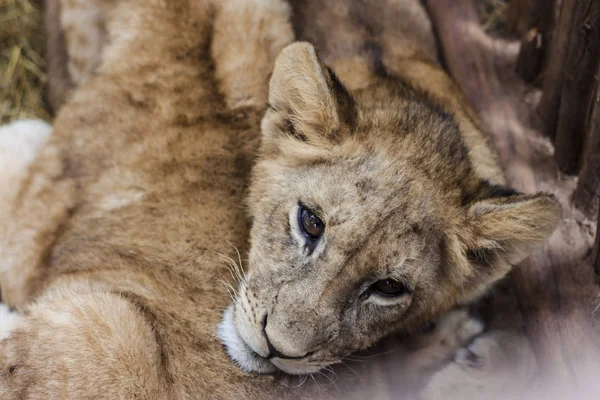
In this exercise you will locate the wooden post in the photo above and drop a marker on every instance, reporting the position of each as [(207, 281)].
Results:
[(596, 253), (536, 27), (587, 194), (526, 14), (579, 74), (517, 17), (531, 56), (60, 84), (553, 75)]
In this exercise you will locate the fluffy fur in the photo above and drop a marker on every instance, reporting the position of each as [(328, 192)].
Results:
[(112, 246)]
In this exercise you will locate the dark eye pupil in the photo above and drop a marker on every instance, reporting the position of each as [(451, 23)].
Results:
[(389, 287), (311, 224)]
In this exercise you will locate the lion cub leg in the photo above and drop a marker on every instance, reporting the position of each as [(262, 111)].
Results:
[(248, 35), (81, 342), (20, 143), (32, 210)]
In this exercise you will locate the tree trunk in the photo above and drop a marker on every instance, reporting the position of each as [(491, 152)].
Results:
[(553, 78), (580, 75), (587, 194), (531, 56), (596, 253), (517, 20), (535, 25)]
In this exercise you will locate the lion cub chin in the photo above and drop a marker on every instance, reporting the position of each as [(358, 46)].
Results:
[(370, 216)]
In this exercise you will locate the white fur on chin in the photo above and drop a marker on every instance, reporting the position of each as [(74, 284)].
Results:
[(239, 351)]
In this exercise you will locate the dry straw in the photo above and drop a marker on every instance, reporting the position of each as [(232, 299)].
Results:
[(22, 67), (493, 14)]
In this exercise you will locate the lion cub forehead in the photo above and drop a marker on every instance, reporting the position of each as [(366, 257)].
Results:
[(374, 184), (373, 212)]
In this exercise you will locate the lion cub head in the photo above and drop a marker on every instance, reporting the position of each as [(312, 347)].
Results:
[(368, 218)]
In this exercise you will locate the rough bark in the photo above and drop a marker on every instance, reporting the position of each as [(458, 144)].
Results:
[(531, 56), (517, 20), (525, 17), (553, 78), (587, 194), (580, 75), (596, 252)]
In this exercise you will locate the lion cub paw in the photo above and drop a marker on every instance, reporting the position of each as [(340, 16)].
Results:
[(451, 332), (433, 349), (494, 365), (458, 328)]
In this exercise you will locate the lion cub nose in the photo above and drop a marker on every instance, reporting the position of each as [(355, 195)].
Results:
[(273, 352)]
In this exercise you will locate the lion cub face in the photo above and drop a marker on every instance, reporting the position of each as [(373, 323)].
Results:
[(367, 219)]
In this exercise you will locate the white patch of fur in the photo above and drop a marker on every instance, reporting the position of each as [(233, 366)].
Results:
[(245, 356), (20, 142), (60, 317), (114, 201), (237, 349), (8, 321)]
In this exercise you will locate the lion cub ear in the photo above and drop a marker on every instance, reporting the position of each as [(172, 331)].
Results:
[(513, 225), (307, 102)]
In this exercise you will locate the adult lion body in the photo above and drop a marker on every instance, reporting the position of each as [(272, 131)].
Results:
[(112, 246)]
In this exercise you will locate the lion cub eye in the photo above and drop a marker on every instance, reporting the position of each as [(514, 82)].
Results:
[(389, 288), (311, 225)]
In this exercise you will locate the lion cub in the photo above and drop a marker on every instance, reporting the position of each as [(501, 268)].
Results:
[(376, 205), (377, 202)]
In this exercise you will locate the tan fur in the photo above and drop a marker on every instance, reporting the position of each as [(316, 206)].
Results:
[(118, 229), (113, 246)]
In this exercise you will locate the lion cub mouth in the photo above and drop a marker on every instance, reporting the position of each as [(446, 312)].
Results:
[(238, 350), (248, 359)]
